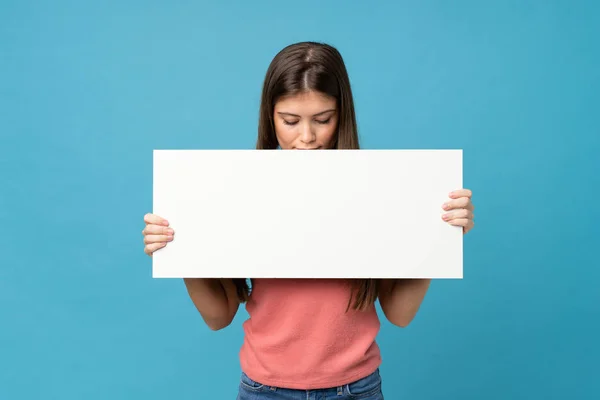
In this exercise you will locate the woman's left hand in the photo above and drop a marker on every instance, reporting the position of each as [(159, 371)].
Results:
[(459, 209)]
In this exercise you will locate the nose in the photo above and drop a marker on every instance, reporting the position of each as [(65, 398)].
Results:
[(306, 134)]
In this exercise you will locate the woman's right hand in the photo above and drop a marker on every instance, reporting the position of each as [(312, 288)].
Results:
[(157, 233)]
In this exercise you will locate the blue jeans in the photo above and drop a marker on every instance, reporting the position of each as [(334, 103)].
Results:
[(368, 388)]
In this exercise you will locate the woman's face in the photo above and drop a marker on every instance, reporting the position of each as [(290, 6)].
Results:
[(306, 121)]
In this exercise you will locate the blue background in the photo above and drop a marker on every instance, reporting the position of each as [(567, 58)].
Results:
[(87, 91)]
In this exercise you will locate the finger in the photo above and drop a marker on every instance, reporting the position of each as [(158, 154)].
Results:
[(455, 194), (462, 213), (461, 202), (469, 226), (148, 239), (151, 248), (153, 229), (459, 222), (155, 219)]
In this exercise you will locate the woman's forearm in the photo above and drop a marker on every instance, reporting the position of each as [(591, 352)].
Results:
[(400, 299), (215, 300)]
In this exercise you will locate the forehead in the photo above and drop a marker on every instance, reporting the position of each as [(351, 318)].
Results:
[(305, 103)]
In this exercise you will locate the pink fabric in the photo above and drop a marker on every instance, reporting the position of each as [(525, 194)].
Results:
[(299, 335)]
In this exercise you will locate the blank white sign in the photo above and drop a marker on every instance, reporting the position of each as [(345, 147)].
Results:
[(307, 214)]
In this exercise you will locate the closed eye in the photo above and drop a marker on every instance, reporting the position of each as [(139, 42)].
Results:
[(322, 122)]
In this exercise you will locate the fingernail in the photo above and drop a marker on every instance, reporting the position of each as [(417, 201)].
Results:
[(170, 231), (170, 237), (445, 206), (166, 223), (445, 217)]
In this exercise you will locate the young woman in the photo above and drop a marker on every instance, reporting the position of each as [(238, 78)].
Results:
[(308, 338)]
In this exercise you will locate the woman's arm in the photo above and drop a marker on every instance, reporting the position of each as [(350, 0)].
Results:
[(215, 299), (400, 299)]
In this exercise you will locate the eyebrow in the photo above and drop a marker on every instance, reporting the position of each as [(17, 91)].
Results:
[(316, 115)]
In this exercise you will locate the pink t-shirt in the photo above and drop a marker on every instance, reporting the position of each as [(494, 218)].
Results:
[(299, 335)]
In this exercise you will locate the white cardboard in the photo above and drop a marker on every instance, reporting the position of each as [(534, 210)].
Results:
[(307, 214)]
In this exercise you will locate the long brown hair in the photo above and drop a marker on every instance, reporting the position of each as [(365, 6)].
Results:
[(298, 68)]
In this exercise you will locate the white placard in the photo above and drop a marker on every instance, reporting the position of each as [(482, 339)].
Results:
[(307, 214)]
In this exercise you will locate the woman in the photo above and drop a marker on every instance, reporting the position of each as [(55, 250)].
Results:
[(308, 338)]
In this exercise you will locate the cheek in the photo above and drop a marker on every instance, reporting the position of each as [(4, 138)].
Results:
[(327, 133), (285, 134)]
